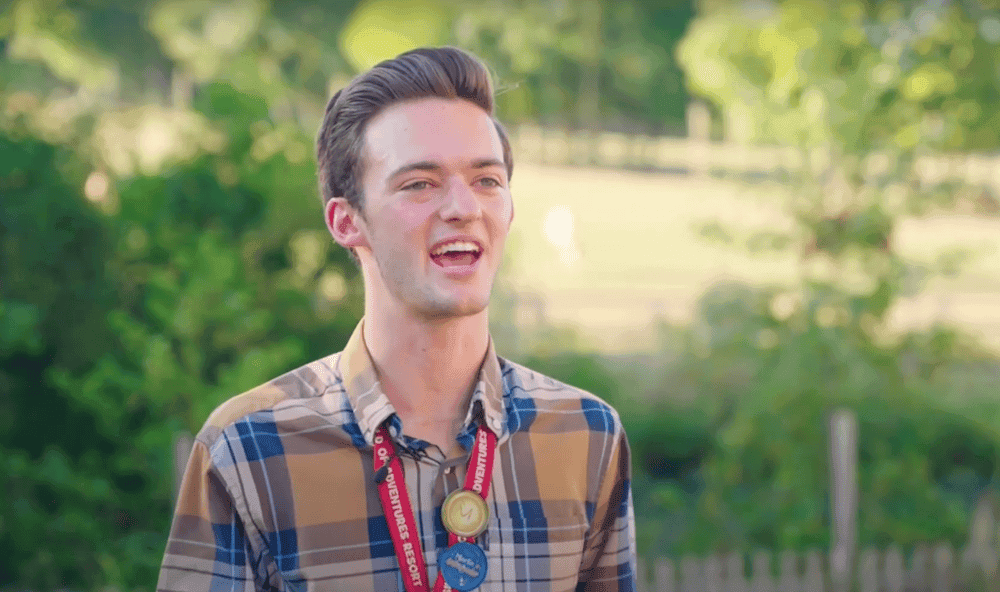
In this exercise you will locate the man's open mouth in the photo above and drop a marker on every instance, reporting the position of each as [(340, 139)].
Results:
[(456, 253)]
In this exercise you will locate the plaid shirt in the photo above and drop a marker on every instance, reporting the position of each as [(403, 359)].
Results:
[(278, 493)]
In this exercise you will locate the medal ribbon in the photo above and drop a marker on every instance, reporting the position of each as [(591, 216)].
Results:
[(399, 512)]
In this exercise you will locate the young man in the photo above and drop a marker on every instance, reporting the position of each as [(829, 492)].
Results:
[(417, 458)]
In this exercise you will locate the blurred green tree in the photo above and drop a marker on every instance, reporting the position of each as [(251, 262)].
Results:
[(862, 93), (122, 330), (53, 297), (588, 65)]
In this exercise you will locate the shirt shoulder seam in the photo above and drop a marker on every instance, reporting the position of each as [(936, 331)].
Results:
[(268, 396)]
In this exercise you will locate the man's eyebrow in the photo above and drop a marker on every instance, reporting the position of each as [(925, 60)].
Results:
[(483, 163), (426, 165), (423, 165)]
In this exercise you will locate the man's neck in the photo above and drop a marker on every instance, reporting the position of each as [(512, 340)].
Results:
[(427, 369)]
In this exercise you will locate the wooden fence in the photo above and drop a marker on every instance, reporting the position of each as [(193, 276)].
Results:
[(697, 154), (929, 568)]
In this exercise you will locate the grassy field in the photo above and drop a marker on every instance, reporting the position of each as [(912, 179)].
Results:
[(633, 253)]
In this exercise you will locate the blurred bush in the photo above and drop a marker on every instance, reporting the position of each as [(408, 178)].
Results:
[(119, 331), (730, 441)]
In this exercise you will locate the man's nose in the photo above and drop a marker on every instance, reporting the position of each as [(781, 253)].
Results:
[(460, 202)]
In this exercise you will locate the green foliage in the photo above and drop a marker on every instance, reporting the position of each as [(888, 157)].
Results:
[(72, 510), (127, 320), (591, 64), (857, 76), (863, 92), (732, 453), (838, 82)]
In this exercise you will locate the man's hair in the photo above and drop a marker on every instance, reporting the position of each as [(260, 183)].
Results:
[(444, 72)]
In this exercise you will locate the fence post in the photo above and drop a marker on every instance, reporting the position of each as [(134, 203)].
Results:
[(692, 576), (641, 576), (183, 443), (812, 579), (664, 576), (844, 501), (944, 570), (713, 574), (919, 575), (788, 579), (699, 128), (181, 88), (868, 571), (893, 569), (734, 576), (761, 580), (982, 547)]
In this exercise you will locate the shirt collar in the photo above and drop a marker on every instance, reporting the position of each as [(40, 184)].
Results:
[(372, 407)]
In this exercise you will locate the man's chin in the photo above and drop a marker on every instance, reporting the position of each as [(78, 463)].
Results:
[(445, 310)]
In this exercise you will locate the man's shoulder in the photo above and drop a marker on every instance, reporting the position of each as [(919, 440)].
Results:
[(305, 384), (531, 392)]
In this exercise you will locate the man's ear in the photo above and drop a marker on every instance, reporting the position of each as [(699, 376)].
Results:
[(345, 223)]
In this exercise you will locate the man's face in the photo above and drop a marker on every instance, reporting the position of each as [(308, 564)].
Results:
[(437, 207)]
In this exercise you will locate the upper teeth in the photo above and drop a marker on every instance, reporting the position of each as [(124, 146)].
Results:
[(455, 246)]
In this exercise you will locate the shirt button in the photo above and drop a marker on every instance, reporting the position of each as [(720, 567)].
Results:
[(447, 470), (496, 424)]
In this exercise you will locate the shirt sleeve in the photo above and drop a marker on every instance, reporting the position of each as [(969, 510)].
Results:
[(609, 555), (208, 547)]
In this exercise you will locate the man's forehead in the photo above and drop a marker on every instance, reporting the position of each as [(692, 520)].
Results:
[(448, 132)]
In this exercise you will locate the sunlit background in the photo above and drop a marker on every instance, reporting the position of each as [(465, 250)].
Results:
[(732, 219)]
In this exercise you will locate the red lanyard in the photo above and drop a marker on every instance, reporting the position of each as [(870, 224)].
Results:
[(399, 513)]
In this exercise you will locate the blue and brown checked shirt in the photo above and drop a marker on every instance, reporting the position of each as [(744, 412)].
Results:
[(279, 493)]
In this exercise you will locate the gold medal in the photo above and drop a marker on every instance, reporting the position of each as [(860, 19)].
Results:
[(464, 513)]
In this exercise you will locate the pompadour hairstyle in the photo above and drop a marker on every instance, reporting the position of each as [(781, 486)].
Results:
[(445, 72)]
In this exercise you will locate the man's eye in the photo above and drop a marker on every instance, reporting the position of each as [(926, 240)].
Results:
[(416, 186), (491, 182)]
